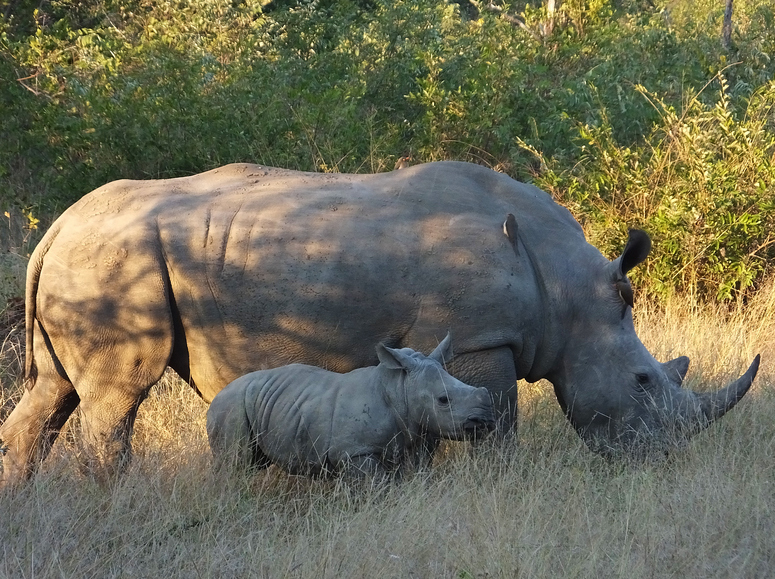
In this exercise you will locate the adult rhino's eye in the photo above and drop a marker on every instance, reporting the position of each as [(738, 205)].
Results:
[(443, 400), (642, 379)]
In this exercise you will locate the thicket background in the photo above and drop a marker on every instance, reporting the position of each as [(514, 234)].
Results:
[(630, 112)]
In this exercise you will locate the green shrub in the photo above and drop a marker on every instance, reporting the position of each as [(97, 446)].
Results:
[(703, 185), (97, 90)]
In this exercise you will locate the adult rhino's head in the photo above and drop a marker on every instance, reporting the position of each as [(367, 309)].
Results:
[(437, 402), (618, 397)]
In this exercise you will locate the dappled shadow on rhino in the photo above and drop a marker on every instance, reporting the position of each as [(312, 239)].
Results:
[(248, 267)]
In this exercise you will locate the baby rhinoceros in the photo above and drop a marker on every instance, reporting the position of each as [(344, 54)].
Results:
[(371, 422)]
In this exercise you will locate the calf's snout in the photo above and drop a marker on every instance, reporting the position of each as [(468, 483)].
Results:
[(481, 418), (480, 422)]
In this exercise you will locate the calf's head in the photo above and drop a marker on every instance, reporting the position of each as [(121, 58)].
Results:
[(617, 396), (436, 402)]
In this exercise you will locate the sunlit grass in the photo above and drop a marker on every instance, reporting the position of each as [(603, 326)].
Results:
[(545, 507)]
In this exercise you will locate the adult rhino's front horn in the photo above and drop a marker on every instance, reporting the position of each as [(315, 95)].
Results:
[(713, 405)]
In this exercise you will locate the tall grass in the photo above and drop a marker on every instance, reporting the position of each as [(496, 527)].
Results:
[(544, 507)]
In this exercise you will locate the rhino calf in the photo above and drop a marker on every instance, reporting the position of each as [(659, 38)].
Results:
[(370, 422)]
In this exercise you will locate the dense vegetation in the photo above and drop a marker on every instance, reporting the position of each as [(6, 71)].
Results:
[(630, 113)]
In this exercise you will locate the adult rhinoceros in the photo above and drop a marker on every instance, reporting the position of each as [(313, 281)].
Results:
[(247, 267)]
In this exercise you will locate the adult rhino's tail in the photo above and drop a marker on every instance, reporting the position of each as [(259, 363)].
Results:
[(30, 300)]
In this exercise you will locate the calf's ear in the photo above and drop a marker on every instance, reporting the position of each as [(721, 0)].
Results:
[(393, 359), (443, 352)]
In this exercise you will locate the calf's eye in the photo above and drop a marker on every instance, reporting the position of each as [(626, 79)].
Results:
[(443, 400)]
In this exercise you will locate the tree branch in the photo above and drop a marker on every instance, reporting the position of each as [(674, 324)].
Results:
[(515, 20)]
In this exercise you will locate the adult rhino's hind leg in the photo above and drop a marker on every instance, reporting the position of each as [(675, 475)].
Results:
[(114, 337), (34, 424), (107, 423), (111, 390)]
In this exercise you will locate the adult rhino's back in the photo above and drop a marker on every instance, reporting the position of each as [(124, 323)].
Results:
[(263, 267)]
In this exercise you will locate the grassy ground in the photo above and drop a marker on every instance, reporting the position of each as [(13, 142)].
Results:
[(545, 507)]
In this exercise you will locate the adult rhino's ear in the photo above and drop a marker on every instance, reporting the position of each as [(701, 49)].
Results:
[(392, 358), (635, 252), (443, 352), (510, 230), (637, 249)]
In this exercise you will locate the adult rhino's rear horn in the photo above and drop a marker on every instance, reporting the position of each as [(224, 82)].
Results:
[(715, 404), (676, 370)]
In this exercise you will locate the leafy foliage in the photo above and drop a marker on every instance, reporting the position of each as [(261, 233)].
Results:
[(107, 89), (703, 185)]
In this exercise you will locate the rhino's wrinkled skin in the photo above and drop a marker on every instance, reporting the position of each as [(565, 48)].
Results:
[(368, 422), (249, 267)]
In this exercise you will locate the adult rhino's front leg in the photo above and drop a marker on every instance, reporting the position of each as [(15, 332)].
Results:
[(494, 369)]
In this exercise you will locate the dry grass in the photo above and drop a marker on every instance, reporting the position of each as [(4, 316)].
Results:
[(543, 508)]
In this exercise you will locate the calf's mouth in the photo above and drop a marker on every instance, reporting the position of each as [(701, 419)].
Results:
[(478, 424)]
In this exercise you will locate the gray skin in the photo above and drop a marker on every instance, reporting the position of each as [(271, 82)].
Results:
[(248, 267), (371, 422)]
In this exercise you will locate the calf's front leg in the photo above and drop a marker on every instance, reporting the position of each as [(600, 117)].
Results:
[(365, 468)]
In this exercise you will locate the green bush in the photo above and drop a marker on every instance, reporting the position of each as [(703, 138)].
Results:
[(703, 185), (103, 89)]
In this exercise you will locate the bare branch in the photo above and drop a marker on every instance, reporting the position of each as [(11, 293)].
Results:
[(726, 29), (515, 20)]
